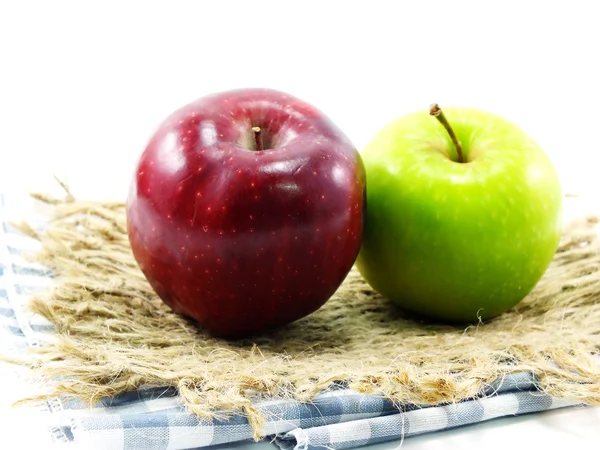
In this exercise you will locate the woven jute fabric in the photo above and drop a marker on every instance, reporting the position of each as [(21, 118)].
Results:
[(116, 335)]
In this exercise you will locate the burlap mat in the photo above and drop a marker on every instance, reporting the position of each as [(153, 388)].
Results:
[(115, 335)]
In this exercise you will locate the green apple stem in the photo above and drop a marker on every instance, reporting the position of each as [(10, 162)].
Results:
[(436, 111), (258, 142)]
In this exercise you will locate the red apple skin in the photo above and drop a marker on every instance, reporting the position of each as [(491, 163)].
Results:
[(240, 240)]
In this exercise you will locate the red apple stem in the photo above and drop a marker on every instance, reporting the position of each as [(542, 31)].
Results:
[(436, 111), (258, 142)]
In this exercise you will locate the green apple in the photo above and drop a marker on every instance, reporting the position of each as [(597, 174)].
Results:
[(463, 214)]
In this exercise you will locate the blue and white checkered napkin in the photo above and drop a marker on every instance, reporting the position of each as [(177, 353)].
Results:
[(153, 418)]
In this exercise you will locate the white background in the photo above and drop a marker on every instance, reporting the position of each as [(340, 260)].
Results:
[(84, 84)]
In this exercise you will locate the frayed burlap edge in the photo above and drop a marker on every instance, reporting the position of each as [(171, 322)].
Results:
[(114, 335)]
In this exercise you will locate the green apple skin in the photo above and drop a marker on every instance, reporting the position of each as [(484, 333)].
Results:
[(458, 242)]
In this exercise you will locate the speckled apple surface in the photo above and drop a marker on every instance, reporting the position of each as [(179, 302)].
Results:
[(243, 239)]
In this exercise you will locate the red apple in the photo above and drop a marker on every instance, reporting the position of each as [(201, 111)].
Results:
[(239, 238)]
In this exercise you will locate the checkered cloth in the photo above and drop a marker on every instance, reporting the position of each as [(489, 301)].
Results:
[(153, 417)]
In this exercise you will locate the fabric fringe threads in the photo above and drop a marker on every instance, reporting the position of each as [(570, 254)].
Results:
[(116, 335)]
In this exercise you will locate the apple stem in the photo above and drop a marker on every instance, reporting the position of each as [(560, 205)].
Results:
[(436, 111), (258, 142)]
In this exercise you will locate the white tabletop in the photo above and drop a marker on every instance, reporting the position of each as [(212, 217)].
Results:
[(83, 85)]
